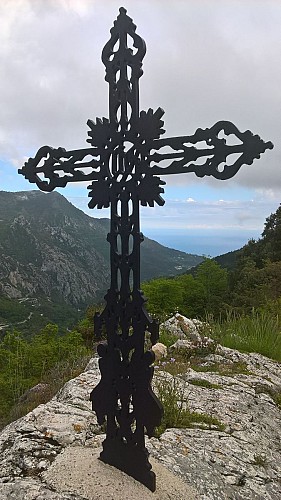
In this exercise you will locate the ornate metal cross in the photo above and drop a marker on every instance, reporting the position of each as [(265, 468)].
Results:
[(122, 163)]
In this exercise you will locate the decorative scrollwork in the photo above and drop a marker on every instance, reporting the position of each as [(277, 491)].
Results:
[(122, 165), (123, 56), (51, 168), (99, 133), (149, 191), (150, 125), (248, 147)]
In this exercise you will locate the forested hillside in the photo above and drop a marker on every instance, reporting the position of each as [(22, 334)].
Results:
[(256, 278), (238, 281)]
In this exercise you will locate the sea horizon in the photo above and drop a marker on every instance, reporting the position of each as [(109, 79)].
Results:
[(208, 242)]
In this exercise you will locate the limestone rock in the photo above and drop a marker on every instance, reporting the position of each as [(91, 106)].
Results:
[(29, 445), (33, 391), (243, 460), (182, 344), (182, 327), (33, 489), (189, 332), (186, 328), (240, 461)]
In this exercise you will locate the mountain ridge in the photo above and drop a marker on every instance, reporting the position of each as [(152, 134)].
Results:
[(49, 248)]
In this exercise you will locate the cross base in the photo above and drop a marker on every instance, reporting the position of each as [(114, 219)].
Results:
[(130, 459)]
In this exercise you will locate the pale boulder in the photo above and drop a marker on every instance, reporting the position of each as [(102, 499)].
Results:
[(160, 351)]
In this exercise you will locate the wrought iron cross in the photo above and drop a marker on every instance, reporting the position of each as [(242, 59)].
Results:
[(122, 163)]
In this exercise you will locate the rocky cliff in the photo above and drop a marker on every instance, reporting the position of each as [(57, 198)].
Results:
[(51, 249), (51, 453)]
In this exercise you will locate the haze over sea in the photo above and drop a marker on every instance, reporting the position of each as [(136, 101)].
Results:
[(202, 242)]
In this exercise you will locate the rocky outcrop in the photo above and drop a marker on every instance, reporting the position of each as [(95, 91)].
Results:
[(240, 459), (183, 328)]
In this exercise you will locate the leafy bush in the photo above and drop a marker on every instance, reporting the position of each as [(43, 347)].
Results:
[(191, 296)]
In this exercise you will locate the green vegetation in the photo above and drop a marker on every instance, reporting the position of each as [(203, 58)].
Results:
[(166, 338), (46, 357), (32, 314), (228, 370), (256, 332), (52, 380), (12, 311), (276, 396), (192, 296), (204, 383), (241, 302), (260, 460), (176, 412)]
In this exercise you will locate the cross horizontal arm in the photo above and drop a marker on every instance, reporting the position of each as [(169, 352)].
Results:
[(184, 154), (51, 168)]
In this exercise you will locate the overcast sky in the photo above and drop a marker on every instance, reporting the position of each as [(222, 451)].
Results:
[(207, 60)]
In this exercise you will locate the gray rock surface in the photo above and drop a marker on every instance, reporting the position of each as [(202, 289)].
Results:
[(183, 328), (243, 460), (52, 453), (48, 453)]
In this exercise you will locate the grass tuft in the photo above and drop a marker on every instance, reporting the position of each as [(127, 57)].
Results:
[(260, 332), (53, 380), (176, 412), (204, 383)]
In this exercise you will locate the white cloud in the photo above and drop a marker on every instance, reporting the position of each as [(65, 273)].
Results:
[(205, 61), (214, 215)]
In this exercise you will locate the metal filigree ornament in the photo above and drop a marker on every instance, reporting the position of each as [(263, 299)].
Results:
[(126, 156)]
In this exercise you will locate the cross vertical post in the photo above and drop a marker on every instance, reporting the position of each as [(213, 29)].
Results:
[(125, 153)]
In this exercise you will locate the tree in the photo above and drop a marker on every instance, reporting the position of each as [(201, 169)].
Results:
[(272, 235), (214, 281), (164, 296), (193, 300)]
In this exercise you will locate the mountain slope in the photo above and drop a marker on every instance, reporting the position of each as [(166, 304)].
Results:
[(228, 260), (53, 250)]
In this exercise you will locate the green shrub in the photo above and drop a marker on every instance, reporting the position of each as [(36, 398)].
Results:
[(176, 412)]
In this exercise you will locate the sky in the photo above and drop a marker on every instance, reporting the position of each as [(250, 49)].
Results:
[(206, 60)]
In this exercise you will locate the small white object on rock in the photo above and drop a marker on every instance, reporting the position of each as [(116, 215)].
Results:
[(160, 351)]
